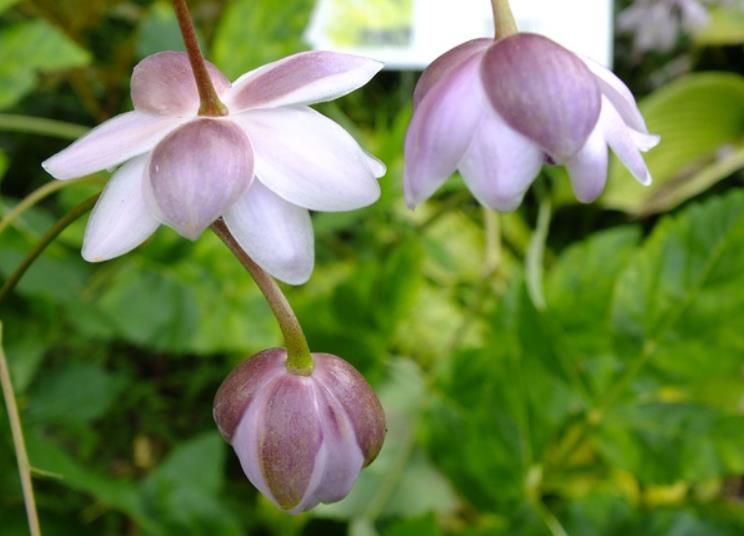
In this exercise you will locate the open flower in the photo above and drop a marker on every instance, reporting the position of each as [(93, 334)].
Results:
[(301, 440), (261, 168), (496, 110)]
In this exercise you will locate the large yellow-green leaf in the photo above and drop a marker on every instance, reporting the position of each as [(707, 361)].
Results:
[(726, 27), (701, 122)]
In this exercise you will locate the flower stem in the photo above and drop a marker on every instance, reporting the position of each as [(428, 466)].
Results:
[(536, 254), (42, 126), (47, 239), (37, 195), (299, 360), (503, 19), (211, 105), (16, 429)]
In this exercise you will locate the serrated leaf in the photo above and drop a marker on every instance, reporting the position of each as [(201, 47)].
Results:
[(30, 47), (701, 122)]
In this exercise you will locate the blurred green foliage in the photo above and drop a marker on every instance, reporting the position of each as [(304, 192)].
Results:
[(614, 409)]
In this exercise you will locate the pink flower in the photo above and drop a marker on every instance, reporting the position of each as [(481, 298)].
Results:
[(497, 110), (261, 168), (301, 440)]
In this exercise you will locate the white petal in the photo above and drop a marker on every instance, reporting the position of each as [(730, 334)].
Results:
[(441, 129), (276, 234), (111, 143), (588, 167), (500, 164), (622, 142), (619, 95), (309, 160), (304, 78), (121, 220)]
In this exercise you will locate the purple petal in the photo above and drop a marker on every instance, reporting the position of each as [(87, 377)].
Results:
[(243, 385), (359, 401), (340, 458), (619, 95), (588, 167), (622, 142), (304, 78), (500, 164), (309, 160), (111, 143), (275, 233), (443, 66), (289, 440), (543, 91), (441, 130), (121, 220), (164, 84), (197, 172)]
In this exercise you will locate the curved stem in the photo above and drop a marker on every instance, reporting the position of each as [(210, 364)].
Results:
[(47, 239), (503, 19), (211, 104), (16, 429), (41, 125), (299, 360), (37, 195), (536, 254)]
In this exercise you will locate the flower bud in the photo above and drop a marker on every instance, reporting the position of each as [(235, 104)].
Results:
[(301, 440)]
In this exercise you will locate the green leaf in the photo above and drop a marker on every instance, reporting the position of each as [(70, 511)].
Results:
[(31, 47), (701, 122), (725, 27), (254, 32), (7, 4), (159, 30)]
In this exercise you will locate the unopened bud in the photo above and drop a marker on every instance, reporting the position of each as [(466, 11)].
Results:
[(301, 440)]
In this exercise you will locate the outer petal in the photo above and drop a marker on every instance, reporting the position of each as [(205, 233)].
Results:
[(588, 167), (619, 95), (623, 142), (441, 130), (275, 233), (111, 143), (500, 164), (121, 220), (164, 84), (340, 459), (309, 160), (442, 67), (543, 91), (304, 78), (197, 172)]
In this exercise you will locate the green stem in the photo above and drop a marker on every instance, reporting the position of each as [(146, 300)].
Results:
[(47, 239), (37, 195), (16, 429), (41, 125), (536, 254), (299, 360), (211, 105), (503, 19)]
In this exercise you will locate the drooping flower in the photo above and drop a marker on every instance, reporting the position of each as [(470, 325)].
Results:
[(261, 168), (301, 440), (496, 110)]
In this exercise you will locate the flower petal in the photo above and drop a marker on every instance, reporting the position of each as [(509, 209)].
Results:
[(275, 233), (441, 130), (111, 143), (197, 172), (543, 91), (309, 160), (588, 167), (164, 84), (121, 220), (441, 67), (500, 164), (623, 142), (304, 78), (619, 95)]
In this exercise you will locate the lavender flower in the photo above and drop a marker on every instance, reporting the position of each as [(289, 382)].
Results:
[(496, 110), (260, 168), (658, 24), (301, 440)]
